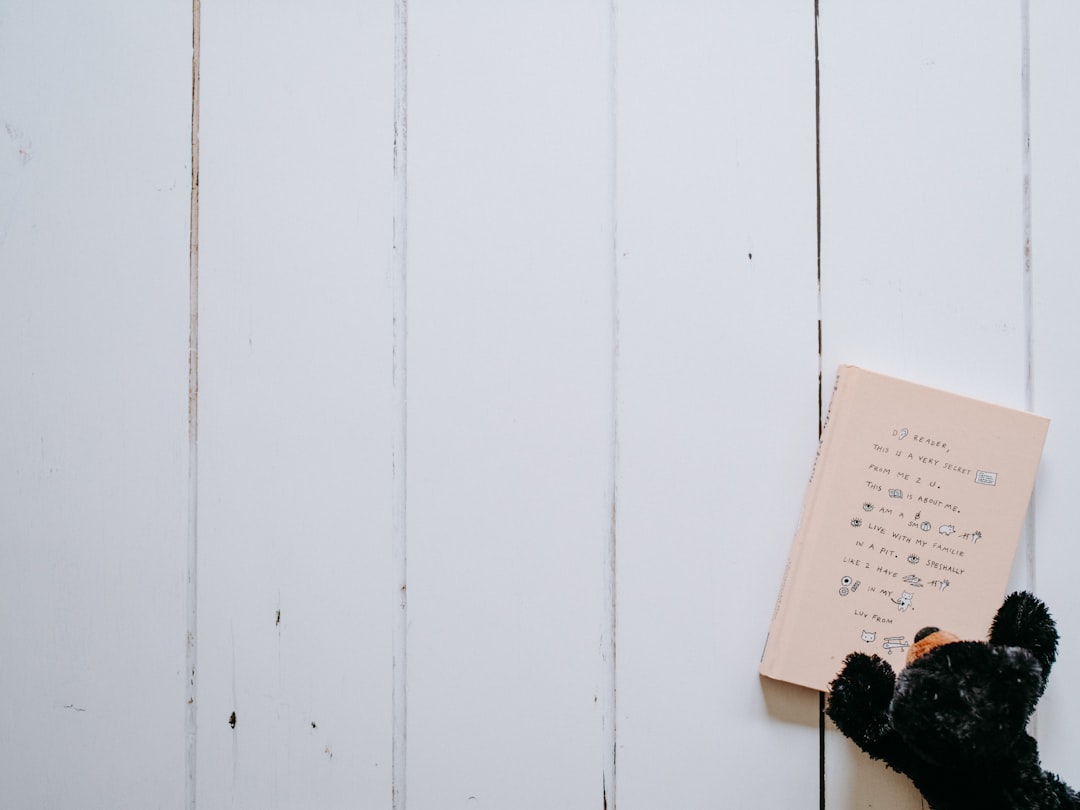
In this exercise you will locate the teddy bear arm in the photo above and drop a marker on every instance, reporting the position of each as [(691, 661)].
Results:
[(859, 700)]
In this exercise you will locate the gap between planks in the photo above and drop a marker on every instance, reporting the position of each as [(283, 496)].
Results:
[(191, 647), (399, 449)]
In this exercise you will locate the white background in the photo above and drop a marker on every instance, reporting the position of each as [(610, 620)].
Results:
[(441, 445)]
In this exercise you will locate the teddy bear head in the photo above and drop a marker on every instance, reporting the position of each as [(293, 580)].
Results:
[(957, 702)]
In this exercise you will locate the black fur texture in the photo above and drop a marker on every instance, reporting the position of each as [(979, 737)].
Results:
[(955, 720)]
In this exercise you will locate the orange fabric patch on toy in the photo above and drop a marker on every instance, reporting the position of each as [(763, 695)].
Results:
[(928, 639)]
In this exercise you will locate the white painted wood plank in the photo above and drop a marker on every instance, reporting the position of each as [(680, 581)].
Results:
[(922, 228), (295, 593), (509, 403), (94, 196), (718, 396), (1055, 259)]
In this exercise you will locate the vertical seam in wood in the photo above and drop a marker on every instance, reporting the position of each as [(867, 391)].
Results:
[(400, 406), (1025, 119), (817, 192), (1028, 279), (820, 392), (190, 721), (609, 649)]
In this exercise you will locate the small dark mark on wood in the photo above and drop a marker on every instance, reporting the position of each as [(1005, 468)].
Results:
[(232, 720), (750, 256), (278, 618), (74, 708), (313, 724)]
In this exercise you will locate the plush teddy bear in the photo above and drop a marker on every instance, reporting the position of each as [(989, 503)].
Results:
[(955, 718)]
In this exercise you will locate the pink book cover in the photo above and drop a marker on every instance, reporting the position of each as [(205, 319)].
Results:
[(911, 519)]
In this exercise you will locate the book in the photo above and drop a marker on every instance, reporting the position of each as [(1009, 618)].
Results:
[(911, 518)]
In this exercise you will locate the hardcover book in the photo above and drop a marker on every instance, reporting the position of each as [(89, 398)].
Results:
[(912, 517)]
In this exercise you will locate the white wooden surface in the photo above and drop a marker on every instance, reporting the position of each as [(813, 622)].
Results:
[(295, 597), (505, 325), (94, 180), (1055, 259)]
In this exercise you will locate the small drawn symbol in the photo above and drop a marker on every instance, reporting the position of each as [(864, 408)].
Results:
[(903, 433), (869, 635), (926, 526), (942, 584), (976, 536), (947, 529), (904, 602), (913, 559), (848, 585), (895, 643), (913, 580), (985, 477), (856, 522), (896, 493), (868, 507)]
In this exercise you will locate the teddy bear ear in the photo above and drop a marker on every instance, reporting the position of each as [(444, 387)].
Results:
[(1024, 621)]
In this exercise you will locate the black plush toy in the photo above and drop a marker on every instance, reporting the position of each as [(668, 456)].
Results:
[(955, 718)]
